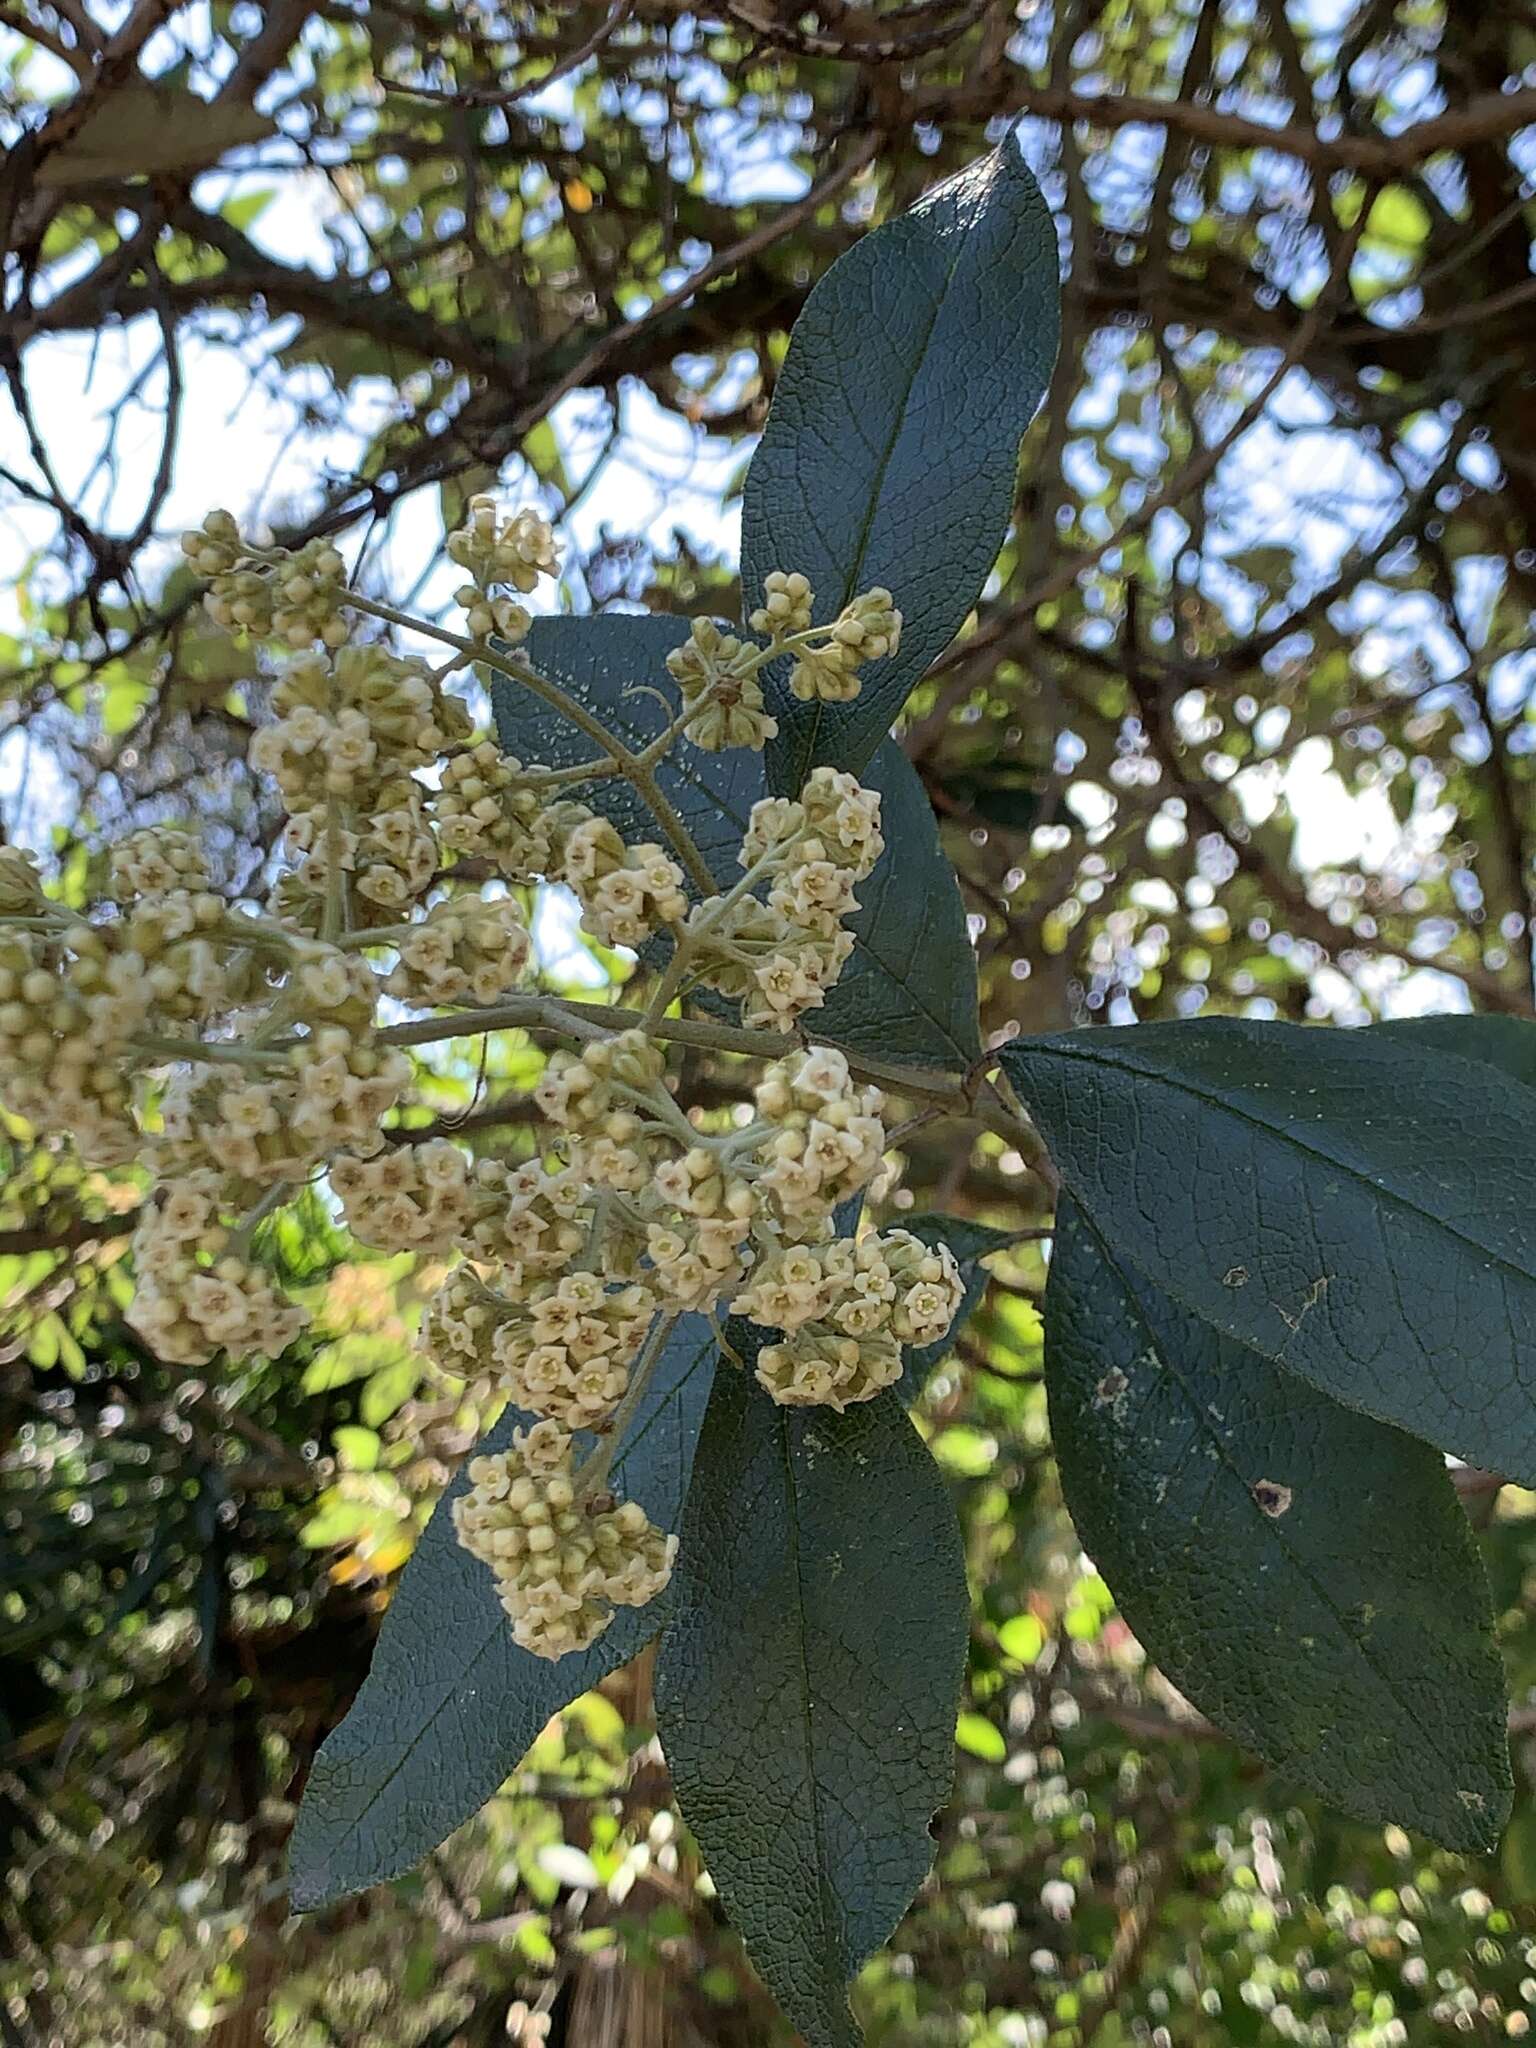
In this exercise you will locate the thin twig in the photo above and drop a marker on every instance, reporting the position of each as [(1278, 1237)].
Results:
[(498, 96)]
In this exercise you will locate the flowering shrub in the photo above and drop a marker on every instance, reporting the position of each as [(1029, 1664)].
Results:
[(1275, 1270)]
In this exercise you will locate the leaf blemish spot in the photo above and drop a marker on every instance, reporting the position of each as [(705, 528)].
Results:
[(1110, 1390), (1313, 1296), (1271, 1498), (1235, 1276)]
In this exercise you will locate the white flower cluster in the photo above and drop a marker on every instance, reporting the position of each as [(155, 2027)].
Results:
[(648, 1214), (717, 673), (626, 892), (389, 857), (825, 1142), (352, 726), (541, 1226), (500, 553), (779, 956), (674, 1205), (467, 949), (515, 551), (488, 809), (273, 1116), (562, 1562), (196, 1292), (846, 1308), (237, 1052), (568, 1354), (417, 1198), (169, 1027)]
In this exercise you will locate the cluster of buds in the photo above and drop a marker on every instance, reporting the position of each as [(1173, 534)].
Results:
[(716, 677), (76, 998), (717, 673), (238, 1054), (500, 554), (295, 595), (157, 863), (778, 955), (59, 1065), (562, 1561), (788, 602), (349, 726), (828, 669), (489, 808)]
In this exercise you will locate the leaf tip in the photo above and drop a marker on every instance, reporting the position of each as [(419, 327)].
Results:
[(1488, 1812), (1471, 1819), (314, 1879)]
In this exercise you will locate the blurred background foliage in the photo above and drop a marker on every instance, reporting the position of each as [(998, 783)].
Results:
[(1244, 722)]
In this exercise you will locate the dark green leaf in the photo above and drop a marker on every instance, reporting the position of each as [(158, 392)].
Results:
[(1349, 1204), (908, 994), (806, 1690), (1508, 1043), (1305, 1575), (891, 450), (971, 1243), (451, 1702), (616, 666)]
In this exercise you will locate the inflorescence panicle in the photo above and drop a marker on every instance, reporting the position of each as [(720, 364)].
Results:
[(238, 1051)]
